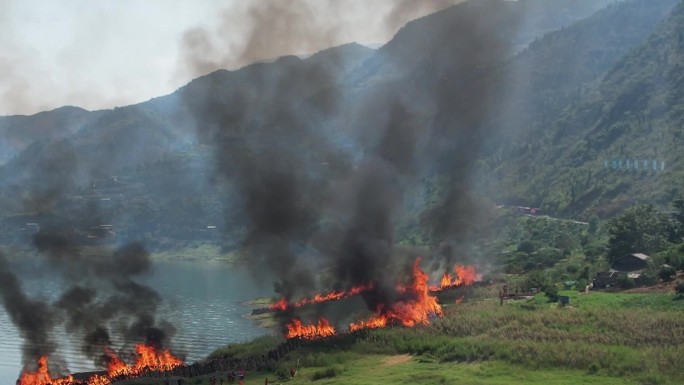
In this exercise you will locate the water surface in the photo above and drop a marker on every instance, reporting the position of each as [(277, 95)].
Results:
[(201, 299)]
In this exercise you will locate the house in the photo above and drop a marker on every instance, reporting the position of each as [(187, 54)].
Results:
[(630, 263), (605, 279), (630, 266)]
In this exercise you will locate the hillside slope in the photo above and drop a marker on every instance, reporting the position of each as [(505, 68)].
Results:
[(565, 164)]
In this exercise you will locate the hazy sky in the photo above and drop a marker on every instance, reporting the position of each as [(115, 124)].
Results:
[(105, 53)]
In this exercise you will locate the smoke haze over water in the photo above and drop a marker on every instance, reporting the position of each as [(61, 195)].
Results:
[(100, 297)]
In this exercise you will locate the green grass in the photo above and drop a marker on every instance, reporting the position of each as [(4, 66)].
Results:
[(596, 300), (601, 338), (254, 348), (381, 369)]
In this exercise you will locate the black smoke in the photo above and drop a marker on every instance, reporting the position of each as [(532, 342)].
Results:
[(270, 137), (101, 300), (35, 319)]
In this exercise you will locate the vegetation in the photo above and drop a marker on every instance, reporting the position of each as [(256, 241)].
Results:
[(600, 338), (581, 145), (621, 106), (641, 229)]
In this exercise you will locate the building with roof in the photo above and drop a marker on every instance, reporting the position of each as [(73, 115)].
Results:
[(630, 263)]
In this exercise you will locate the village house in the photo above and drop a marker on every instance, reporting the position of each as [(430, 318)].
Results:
[(631, 265)]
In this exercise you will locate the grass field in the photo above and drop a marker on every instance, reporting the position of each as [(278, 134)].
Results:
[(600, 338), (405, 369)]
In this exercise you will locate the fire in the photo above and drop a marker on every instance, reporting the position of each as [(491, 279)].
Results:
[(334, 295), (149, 358), (416, 310), (296, 329), (464, 276), (372, 323), (281, 305), (42, 376)]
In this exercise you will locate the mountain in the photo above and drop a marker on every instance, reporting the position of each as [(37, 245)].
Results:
[(485, 94), (628, 110), (19, 131), (441, 40)]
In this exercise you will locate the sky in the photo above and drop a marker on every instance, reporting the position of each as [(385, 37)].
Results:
[(99, 54)]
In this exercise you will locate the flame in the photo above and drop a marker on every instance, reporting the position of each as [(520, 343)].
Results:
[(411, 312), (334, 295), (281, 305), (149, 358), (371, 323), (464, 276), (42, 376), (296, 329)]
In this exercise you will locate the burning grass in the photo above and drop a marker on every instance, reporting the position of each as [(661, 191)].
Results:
[(322, 329), (416, 304), (602, 338), (283, 304), (148, 358), (416, 310)]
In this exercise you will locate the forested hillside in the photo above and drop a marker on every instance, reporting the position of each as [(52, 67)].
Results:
[(524, 103), (614, 136)]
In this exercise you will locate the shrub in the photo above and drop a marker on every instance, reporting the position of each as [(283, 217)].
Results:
[(282, 373), (593, 368), (551, 292), (581, 284), (679, 289), (648, 278), (667, 273), (325, 373), (624, 282)]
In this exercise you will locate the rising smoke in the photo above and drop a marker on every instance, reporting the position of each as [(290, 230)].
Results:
[(338, 223), (100, 297)]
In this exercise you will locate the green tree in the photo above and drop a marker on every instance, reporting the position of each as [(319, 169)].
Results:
[(551, 292), (680, 289), (640, 229), (527, 246), (667, 273), (594, 224), (679, 205)]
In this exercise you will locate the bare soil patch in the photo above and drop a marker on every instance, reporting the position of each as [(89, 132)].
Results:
[(396, 360)]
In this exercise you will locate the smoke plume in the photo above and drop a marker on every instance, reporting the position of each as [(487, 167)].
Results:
[(268, 130), (34, 319), (100, 297)]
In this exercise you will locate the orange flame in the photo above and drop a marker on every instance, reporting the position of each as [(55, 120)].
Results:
[(334, 295), (281, 305), (464, 276), (42, 376), (149, 358), (411, 312), (296, 329)]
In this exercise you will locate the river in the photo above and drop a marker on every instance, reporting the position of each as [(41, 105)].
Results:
[(201, 299)]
